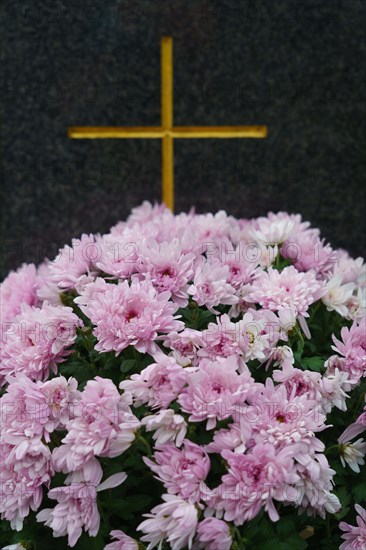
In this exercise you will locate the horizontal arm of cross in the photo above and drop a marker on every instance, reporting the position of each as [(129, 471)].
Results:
[(151, 132)]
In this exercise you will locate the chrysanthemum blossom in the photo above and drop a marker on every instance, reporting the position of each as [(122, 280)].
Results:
[(34, 409), (213, 534), (174, 521), (122, 542), (168, 268), (184, 346), (353, 454), (254, 480), (76, 509), (337, 295), (17, 289), (274, 229), (168, 427), (354, 535), (181, 470), (286, 289), (103, 426), (24, 469), (74, 262), (210, 287), (37, 340), (158, 384), (352, 346), (128, 315), (214, 389)]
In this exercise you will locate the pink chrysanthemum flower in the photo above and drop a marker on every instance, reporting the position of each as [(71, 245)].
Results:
[(158, 384), (255, 480), (103, 426), (35, 409), (210, 287), (168, 427), (214, 389), (352, 347), (128, 315), (174, 521), (354, 536), (299, 382), (275, 228), (76, 507), (24, 469), (181, 470), (212, 534), (17, 289), (282, 419), (74, 262), (184, 346), (286, 289), (313, 491), (122, 542), (168, 268), (37, 340)]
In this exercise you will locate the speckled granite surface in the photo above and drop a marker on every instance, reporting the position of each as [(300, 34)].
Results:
[(296, 65)]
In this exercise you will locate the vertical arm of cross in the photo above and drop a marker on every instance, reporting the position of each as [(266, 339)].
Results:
[(167, 120)]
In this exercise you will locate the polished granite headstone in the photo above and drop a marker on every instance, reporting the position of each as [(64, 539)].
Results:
[(297, 66)]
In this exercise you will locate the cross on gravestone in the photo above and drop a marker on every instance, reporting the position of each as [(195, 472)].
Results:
[(167, 131)]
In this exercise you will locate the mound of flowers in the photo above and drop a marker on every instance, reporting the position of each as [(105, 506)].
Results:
[(185, 382)]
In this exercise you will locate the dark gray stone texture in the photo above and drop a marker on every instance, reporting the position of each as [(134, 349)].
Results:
[(296, 65)]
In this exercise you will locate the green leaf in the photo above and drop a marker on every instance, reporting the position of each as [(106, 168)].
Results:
[(128, 365), (313, 363)]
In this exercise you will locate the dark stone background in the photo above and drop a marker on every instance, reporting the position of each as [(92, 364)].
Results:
[(296, 65)]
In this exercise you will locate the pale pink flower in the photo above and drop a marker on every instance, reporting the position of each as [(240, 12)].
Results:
[(147, 212), (333, 387), (274, 229), (214, 389), (103, 426), (241, 267), (250, 337), (351, 270), (353, 454), (213, 534), (287, 289), (337, 295), (181, 470), (210, 287), (168, 268), (158, 384), (299, 382), (308, 252), (122, 542), (174, 521), (74, 262), (37, 340), (236, 437), (35, 409), (24, 469), (76, 507), (128, 315), (354, 536), (62, 397), (313, 491), (184, 346), (352, 347), (17, 289), (47, 289), (119, 254), (255, 480), (356, 305), (168, 427), (282, 419)]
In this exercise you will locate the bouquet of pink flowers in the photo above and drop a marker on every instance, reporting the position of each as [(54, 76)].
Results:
[(190, 381)]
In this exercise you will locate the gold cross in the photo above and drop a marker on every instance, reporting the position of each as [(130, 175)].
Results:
[(167, 132)]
